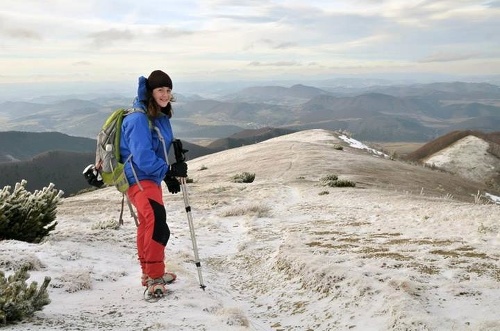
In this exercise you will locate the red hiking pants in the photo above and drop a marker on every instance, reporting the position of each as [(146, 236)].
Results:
[(153, 232)]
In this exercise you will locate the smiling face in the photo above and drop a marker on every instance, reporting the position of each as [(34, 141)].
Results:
[(162, 96)]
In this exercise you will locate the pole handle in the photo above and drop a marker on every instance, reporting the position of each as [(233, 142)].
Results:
[(179, 151)]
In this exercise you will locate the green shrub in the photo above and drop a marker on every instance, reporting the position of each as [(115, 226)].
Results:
[(244, 177), (26, 216), (344, 183), (19, 301), (334, 181)]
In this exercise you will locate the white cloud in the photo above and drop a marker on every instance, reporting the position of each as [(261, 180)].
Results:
[(105, 38), (448, 56), (227, 35)]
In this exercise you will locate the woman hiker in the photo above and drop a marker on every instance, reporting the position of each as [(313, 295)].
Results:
[(147, 136)]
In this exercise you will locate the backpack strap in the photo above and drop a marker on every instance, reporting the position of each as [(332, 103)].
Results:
[(120, 218), (124, 195), (132, 213), (162, 140), (150, 123)]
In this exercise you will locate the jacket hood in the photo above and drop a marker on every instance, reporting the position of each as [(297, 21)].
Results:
[(141, 99)]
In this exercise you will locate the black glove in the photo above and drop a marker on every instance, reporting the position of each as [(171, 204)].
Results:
[(178, 169), (92, 176), (173, 184)]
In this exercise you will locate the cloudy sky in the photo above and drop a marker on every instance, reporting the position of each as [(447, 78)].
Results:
[(96, 40)]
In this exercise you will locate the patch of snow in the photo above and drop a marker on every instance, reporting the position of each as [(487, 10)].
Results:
[(494, 198), (359, 145)]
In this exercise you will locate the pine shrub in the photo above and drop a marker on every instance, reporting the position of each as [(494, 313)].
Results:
[(19, 301), (27, 216)]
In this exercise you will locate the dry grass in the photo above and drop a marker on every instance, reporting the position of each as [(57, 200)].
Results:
[(249, 210)]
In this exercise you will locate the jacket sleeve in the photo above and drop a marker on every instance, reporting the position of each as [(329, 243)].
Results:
[(138, 134)]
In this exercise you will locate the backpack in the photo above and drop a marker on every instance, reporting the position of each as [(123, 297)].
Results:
[(107, 168), (107, 159)]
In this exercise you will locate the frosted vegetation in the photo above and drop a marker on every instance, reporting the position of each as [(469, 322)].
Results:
[(28, 217)]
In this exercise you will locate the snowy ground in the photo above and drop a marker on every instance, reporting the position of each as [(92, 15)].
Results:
[(284, 252)]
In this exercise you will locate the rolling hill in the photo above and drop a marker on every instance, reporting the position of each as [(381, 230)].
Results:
[(469, 154)]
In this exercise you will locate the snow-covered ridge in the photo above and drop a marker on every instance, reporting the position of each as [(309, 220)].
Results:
[(280, 253)]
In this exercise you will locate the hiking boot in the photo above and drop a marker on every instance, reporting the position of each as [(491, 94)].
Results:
[(156, 288), (168, 278)]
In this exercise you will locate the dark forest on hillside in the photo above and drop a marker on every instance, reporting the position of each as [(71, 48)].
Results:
[(64, 168)]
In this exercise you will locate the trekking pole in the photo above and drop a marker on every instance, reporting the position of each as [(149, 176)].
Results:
[(191, 230), (179, 157)]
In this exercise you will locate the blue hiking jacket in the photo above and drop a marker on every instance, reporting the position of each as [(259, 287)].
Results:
[(142, 141)]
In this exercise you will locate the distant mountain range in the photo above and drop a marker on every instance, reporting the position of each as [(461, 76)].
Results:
[(419, 112)]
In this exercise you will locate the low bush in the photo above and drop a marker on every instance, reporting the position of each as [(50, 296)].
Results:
[(19, 301), (27, 216)]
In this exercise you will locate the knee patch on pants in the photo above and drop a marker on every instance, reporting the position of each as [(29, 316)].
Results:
[(161, 232)]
